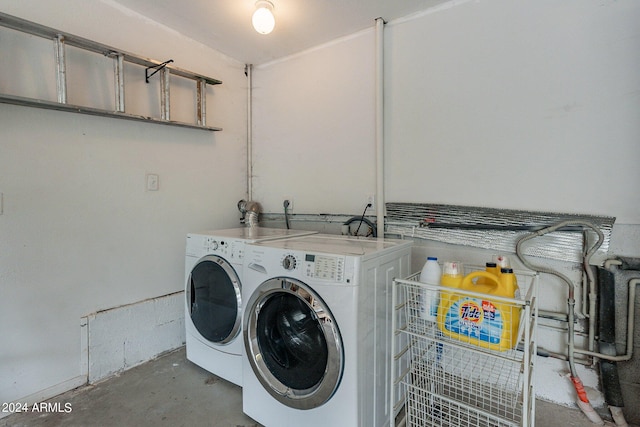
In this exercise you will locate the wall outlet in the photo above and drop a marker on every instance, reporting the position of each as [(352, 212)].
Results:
[(290, 207), (153, 182), (371, 199)]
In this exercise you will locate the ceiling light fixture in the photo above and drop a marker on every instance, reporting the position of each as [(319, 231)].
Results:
[(263, 20)]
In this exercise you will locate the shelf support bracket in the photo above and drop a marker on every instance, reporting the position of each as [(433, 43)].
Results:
[(156, 67)]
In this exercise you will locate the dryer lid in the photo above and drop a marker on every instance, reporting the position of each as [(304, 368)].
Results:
[(255, 234)]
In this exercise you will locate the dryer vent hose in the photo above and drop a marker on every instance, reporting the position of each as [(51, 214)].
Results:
[(250, 212)]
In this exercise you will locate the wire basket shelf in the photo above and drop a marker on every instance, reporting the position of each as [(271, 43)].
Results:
[(446, 375)]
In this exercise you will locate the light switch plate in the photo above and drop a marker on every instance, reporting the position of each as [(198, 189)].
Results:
[(152, 182)]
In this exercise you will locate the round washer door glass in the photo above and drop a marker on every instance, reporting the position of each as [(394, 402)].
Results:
[(214, 299), (293, 343)]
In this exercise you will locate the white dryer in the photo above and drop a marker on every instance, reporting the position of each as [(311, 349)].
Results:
[(317, 330), (213, 296)]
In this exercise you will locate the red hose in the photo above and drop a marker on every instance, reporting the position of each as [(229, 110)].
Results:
[(582, 395)]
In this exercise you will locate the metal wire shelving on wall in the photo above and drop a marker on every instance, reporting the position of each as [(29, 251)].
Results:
[(448, 380)]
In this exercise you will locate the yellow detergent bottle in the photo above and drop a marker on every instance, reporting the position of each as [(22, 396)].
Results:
[(482, 321), (451, 274), (509, 281), (490, 267), (502, 261)]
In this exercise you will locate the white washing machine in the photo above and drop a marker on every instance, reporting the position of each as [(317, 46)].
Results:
[(213, 296), (317, 330)]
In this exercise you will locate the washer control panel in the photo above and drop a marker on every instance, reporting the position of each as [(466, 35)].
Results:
[(324, 267), (289, 262)]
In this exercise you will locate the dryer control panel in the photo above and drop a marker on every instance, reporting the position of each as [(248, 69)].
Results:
[(229, 248)]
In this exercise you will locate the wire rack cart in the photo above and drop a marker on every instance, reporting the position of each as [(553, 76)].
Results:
[(450, 380)]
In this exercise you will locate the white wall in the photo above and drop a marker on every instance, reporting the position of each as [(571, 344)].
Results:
[(313, 128), (78, 232), (526, 105), (128, 335)]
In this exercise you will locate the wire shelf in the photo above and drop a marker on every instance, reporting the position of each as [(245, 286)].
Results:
[(448, 374)]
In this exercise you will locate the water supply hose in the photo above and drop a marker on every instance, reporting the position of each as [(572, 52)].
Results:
[(360, 220), (285, 204), (618, 416), (583, 400)]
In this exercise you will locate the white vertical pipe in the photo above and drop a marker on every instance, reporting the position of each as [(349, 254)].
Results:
[(248, 69), (380, 208)]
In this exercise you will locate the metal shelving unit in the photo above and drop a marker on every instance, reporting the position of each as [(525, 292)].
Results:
[(60, 40), (448, 380)]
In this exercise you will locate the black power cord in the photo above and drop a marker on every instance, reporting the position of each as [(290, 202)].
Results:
[(360, 219)]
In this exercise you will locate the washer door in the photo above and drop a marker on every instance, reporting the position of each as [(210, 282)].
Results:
[(214, 299), (293, 343)]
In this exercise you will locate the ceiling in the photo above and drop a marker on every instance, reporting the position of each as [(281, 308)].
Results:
[(225, 25)]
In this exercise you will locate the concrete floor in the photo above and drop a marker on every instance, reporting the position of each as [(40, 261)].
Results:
[(171, 391)]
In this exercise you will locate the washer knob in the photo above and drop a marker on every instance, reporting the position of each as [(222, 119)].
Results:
[(289, 262), (213, 245)]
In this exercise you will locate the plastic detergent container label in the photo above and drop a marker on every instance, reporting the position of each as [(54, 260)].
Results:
[(480, 320), (475, 318)]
